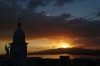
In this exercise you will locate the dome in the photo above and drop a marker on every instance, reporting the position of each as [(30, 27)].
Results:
[(18, 32)]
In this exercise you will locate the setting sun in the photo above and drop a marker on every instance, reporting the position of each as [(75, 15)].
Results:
[(65, 46)]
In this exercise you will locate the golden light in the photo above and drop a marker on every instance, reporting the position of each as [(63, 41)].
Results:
[(65, 46)]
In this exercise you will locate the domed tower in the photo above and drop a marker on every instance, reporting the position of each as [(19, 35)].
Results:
[(18, 48)]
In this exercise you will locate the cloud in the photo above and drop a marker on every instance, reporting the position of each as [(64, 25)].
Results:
[(36, 3), (43, 12), (36, 21), (64, 15), (87, 42), (90, 43), (98, 14), (48, 27), (45, 27), (62, 2)]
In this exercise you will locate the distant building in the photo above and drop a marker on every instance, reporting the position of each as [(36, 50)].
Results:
[(38, 61)]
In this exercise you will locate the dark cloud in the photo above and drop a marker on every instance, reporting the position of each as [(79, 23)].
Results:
[(98, 14), (35, 3), (62, 2), (43, 26), (43, 12), (87, 42), (12, 2), (23, 0), (64, 15)]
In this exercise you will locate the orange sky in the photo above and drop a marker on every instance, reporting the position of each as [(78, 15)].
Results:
[(44, 44)]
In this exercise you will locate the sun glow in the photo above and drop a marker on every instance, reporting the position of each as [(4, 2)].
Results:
[(65, 46)]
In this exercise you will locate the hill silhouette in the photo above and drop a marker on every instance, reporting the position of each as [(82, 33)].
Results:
[(74, 51)]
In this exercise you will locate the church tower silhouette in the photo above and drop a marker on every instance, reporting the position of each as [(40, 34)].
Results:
[(18, 47)]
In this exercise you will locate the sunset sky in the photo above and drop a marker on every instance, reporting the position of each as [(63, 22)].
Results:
[(51, 24)]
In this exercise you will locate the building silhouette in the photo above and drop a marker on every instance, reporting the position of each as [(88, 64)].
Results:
[(18, 48)]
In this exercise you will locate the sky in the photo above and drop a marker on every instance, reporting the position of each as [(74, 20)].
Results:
[(49, 24)]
